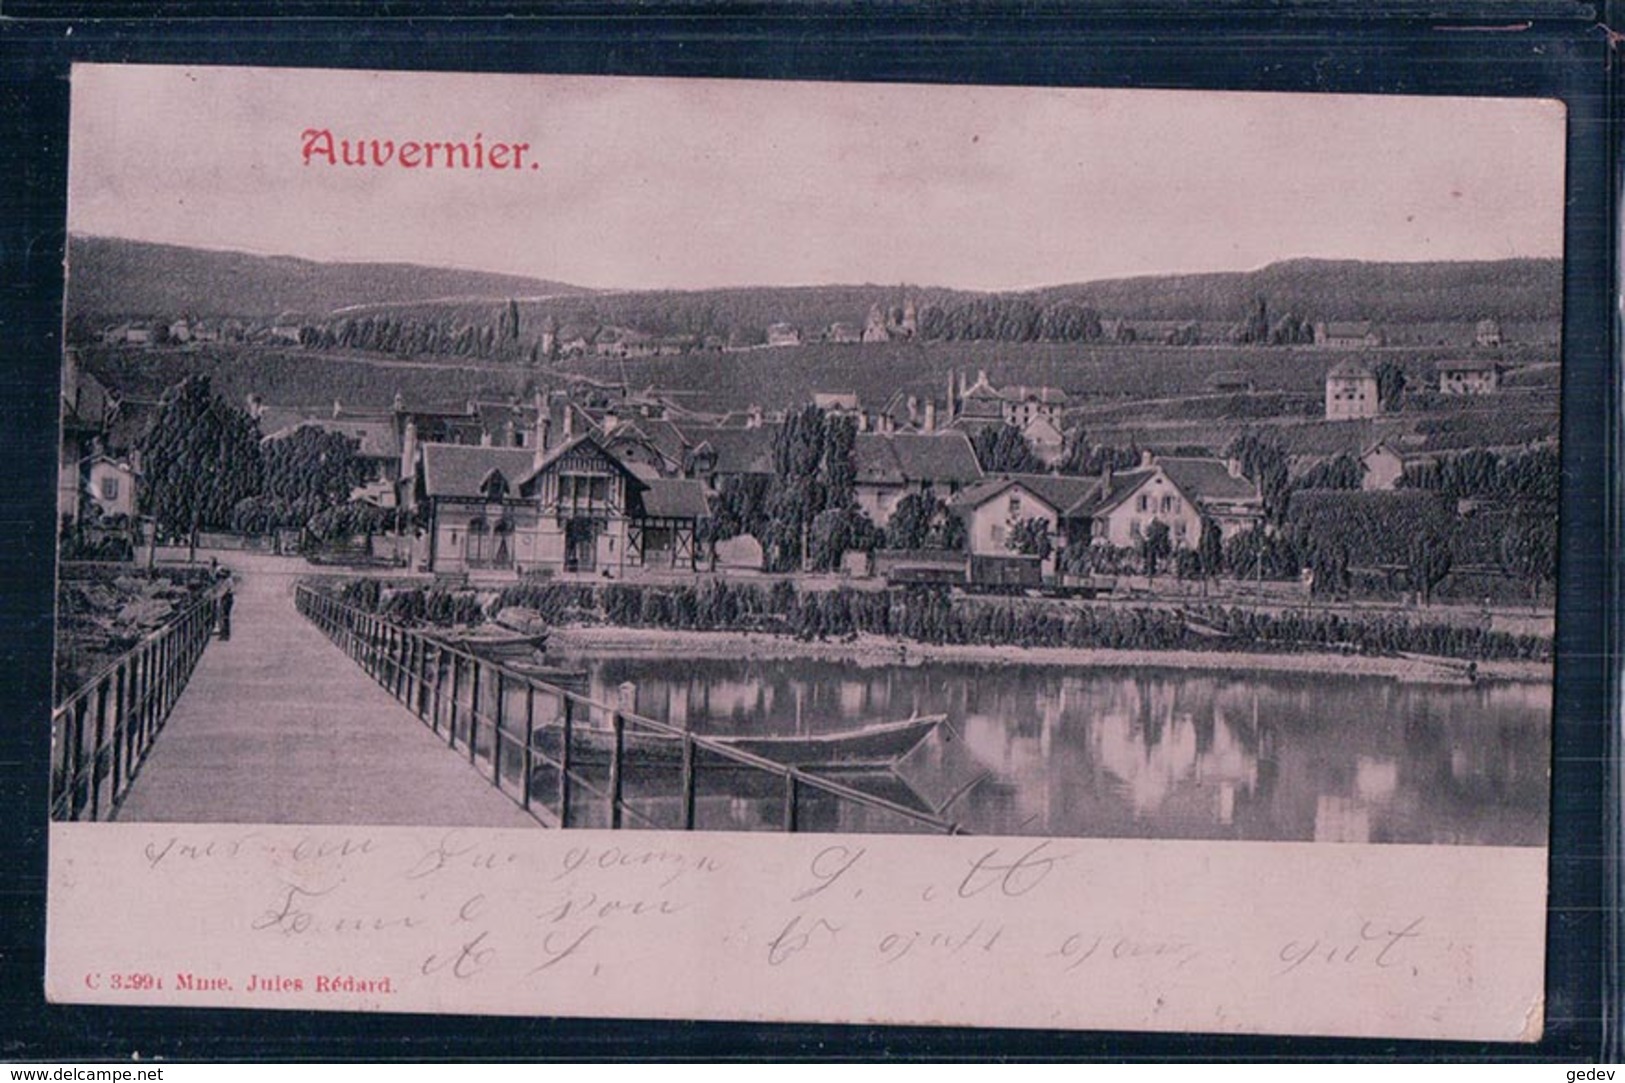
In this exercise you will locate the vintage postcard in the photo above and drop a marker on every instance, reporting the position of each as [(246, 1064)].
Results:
[(663, 548)]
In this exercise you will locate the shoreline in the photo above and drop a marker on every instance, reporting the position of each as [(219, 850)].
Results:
[(878, 651)]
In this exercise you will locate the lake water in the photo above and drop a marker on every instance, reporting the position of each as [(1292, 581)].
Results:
[(1140, 753)]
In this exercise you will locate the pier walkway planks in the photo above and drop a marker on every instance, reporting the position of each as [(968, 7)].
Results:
[(278, 726)]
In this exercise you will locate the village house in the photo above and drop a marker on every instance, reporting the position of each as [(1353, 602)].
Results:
[(1469, 376), (111, 484), (783, 334), (86, 410), (1488, 333), (1230, 383), (1016, 405), (885, 324), (844, 333), (891, 466), (571, 508), (838, 403), (1046, 439), (1384, 466), (1351, 335), (128, 334), (994, 508), (1351, 392), (377, 444), (1180, 492), (722, 452)]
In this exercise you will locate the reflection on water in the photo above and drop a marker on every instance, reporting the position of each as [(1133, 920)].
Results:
[(1152, 753)]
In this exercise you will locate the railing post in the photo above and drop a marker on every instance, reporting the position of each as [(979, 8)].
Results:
[(688, 782), (96, 752), (528, 761), (439, 666), (496, 732), (456, 675), (792, 779), (474, 711), (76, 777), (617, 728), (121, 734), (566, 741)]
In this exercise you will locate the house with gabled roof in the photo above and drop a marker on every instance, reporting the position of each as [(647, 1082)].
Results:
[(1354, 334), (1351, 392), (1180, 492), (571, 508), (718, 453), (1469, 376), (890, 466), (994, 507)]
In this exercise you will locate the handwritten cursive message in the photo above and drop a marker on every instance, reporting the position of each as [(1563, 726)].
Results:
[(1002, 932)]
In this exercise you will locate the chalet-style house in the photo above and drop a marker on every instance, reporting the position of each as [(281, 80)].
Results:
[(1357, 335), (572, 508), (1469, 376), (1351, 392), (891, 466)]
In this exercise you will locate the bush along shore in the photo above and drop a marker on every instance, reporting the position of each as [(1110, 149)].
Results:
[(937, 618)]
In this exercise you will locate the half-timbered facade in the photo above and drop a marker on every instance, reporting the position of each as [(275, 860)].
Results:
[(574, 509)]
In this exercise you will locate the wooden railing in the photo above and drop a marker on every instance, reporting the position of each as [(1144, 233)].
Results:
[(571, 762), (102, 732)]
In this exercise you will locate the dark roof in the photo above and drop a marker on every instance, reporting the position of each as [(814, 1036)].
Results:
[(376, 439), (1468, 364), (904, 457), (675, 498), (1348, 329), (1023, 393), (1067, 494), (1119, 485), (667, 438), (86, 401), (558, 451), (460, 470), (1350, 370), (1207, 479), (130, 424), (738, 451)]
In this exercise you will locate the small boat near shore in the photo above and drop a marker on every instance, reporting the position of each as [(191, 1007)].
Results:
[(866, 748)]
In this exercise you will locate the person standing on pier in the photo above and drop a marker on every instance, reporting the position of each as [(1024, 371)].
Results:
[(223, 609)]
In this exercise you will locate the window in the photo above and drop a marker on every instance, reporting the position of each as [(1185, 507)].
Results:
[(1168, 503), (996, 533), (1145, 503), (110, 488), (1015, 505)]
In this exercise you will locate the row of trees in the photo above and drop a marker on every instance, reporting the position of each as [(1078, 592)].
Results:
[(205, 468), (932, 616)]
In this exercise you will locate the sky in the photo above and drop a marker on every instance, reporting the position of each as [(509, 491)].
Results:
[(692, 184)]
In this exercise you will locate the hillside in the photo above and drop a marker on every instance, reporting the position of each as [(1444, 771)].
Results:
[(110, 278), (1407, 299), (1404, 293)]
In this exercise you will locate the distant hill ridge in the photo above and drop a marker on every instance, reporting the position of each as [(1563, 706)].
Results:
[(111, 277)]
